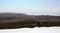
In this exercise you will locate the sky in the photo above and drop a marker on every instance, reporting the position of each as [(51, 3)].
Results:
[(35, 7)]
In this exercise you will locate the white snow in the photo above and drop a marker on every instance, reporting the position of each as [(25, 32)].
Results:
[(33, 30)]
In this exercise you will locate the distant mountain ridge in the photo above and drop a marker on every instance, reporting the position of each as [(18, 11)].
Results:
[(25, 16), (11, 14), (3, 15)]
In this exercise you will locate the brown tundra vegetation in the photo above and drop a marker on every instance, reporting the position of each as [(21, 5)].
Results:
[(19, 20)]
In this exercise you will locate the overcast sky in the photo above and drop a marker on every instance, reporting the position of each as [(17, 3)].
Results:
[(41, 7)]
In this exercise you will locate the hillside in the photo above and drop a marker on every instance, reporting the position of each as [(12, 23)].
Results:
[(21, 20)]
